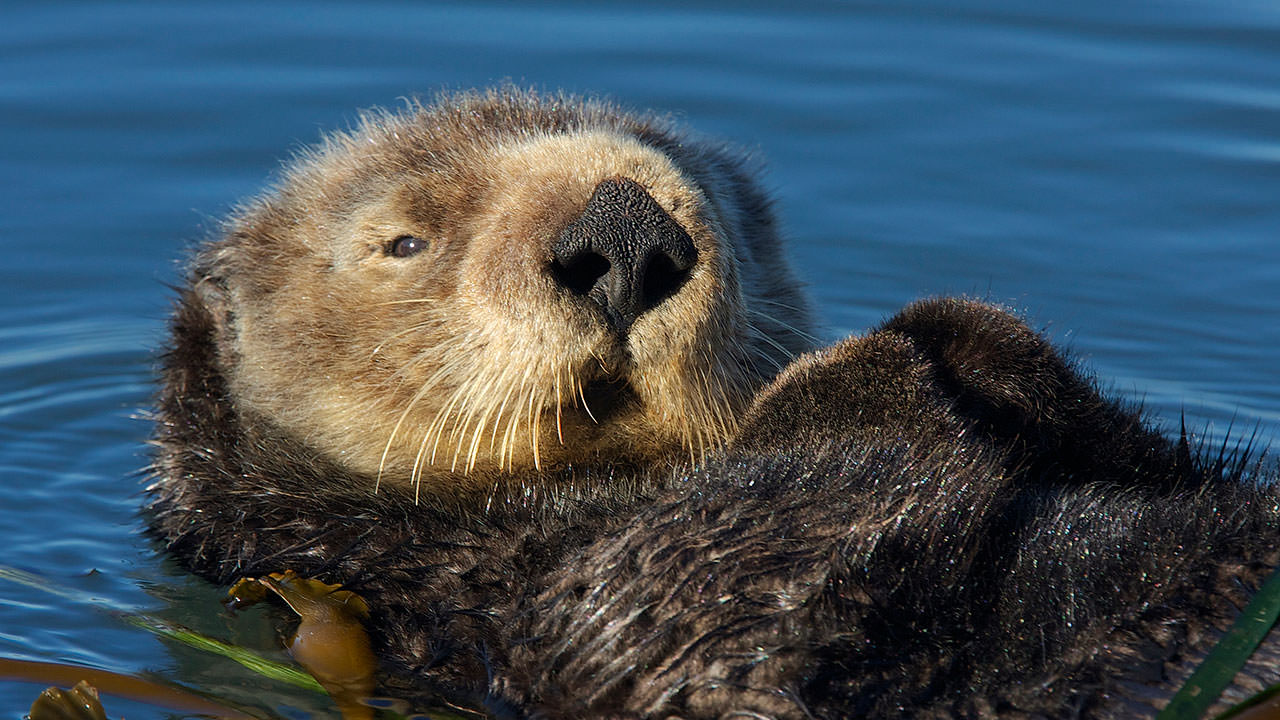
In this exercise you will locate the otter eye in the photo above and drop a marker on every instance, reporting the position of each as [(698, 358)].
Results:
[(406, 245)]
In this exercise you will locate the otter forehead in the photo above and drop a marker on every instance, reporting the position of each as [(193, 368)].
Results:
[(448, 149), (365, 183), (573, 164)]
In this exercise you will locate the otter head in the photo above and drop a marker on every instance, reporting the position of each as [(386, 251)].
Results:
[(501, 283)]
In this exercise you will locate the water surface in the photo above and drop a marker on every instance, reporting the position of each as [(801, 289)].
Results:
[(1110, 169)]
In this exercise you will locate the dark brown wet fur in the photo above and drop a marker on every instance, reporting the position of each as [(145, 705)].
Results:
[(874, 542), (942, 518), (939, 519), (233, 500)]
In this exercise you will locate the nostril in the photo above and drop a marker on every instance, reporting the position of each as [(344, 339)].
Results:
[(662, 278), (581, 272), (624, 253)]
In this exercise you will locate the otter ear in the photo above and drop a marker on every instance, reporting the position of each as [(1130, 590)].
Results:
[(201, 333), (209, 296)]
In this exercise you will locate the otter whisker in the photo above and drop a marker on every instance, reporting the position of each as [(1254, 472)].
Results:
[(416, 327), (783, 305), (535, 428), (503, 450), (415, 474), (559, 402), (754, 358), (395, 431), (467, 411), (758, 334), (529, 422), (763, 354), (422, 391), (784, 325), (438, 423), (405, 302), (758, 357), (534, 407), (502, 407), (456, 437), (433, 381), (481, 417), (482, 421), (506, 452), (599, 361), (583, 396)]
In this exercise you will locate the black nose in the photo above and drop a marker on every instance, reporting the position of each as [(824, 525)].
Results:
[(624, 252)]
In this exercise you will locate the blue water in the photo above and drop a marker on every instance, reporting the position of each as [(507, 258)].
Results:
[(1111, 169)]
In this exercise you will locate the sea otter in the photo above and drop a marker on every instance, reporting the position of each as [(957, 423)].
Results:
[(532, 376)]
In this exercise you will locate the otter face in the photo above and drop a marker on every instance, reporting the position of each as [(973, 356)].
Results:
[(503, 283)]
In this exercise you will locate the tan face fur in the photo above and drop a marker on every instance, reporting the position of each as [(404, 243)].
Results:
[(469, 360)]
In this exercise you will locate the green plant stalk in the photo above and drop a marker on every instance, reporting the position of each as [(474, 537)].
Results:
[(1206, 684)]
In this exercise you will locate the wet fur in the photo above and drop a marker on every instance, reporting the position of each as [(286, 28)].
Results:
[(939, 518)]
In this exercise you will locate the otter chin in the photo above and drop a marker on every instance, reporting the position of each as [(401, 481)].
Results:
[(501, 283)]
